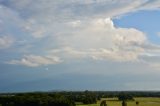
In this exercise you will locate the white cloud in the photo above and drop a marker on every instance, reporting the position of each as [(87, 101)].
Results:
[(106, 54), (150, 5), (48, 17), (36, 30), (5, 42), (78, 33), (152, 59), (155, 65), (158, 34), (80, 8), (75, 23), (35, 61), (80, 29), (101, 40)]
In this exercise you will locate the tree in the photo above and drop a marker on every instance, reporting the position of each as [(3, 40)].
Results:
[(89, 97), (124, 97), (124, 103), (103, 103), (36, 100)]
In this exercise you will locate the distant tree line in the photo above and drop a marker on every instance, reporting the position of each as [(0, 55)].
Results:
[(67, 98), (86, 97), (36, 100), (47, 99)]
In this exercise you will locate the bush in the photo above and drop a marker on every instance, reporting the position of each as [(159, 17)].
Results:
[(103, 103), (137, 103), (124, 97)]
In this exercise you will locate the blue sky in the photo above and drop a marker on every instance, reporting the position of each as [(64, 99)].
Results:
[(79, 45), (147, 22)]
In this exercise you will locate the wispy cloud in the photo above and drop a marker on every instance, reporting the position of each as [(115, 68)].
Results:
[(35, 61), (158, 34), (6, 41)]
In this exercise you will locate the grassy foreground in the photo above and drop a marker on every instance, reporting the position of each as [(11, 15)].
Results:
[(142, 102)]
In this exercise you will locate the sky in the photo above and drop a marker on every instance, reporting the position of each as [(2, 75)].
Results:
[(79, 45)]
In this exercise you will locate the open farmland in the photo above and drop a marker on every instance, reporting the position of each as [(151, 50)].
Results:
[(143, 101)]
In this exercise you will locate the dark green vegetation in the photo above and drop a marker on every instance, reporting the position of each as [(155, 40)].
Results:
[(103, 103), (36, 100), (124, 103), (69, 98), (125, 97)]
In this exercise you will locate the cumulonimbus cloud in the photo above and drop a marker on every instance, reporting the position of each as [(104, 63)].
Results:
[(78, 29), (101, 40)]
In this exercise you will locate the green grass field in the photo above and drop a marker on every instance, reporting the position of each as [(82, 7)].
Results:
[(142, 102)]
